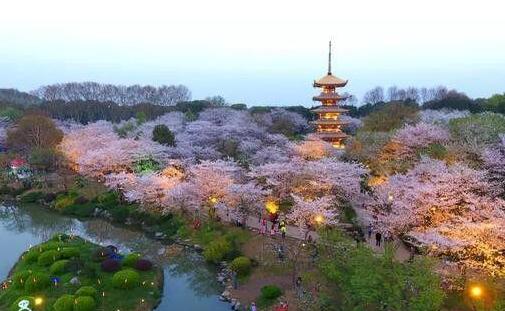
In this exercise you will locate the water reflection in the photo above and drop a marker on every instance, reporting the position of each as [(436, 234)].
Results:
[(189, 282)]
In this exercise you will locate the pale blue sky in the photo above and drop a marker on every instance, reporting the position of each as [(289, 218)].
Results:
[(257, 52)]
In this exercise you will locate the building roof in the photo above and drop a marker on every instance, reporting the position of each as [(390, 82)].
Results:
[(330, 80), (333, 108), (331, 135), (329, 96)]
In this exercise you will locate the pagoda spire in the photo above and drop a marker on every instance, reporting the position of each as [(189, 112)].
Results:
[(329, 59)]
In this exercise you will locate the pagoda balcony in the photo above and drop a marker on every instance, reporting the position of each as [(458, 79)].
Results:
[(329, 122), (329, 97), (335, 135), (332, 109)]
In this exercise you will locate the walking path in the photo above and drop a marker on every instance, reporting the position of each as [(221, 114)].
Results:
[(402, 253)]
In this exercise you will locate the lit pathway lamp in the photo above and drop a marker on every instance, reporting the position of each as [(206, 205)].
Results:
[(475, 292)]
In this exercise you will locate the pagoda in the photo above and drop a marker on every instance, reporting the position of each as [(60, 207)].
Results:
[(328, 124)]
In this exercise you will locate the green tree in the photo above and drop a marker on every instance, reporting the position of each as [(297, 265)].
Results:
[(495, 103), (369, 281), (163, 135), (392, 116), (478, 130), (43, 158), (34, 131)]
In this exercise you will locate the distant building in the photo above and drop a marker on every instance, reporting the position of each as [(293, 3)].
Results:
[(328, 124)]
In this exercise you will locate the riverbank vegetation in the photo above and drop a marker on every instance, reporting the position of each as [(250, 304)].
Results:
[(69, 273)]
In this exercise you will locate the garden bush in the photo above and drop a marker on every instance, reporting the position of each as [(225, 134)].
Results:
[(108, 199), (102, 253), (270, 292), (37, 281), (64, 303), (241, 265), (110, 265), (31, 256), (50, 197), (59, 267), (126, 279), (63, 201), (32, 196), (81, 200), (80, 210), (75, 264), (131, 259), (217, 250), (48, 257), (51, 245), (69, 252), (60, 237), (15, 304), (84, 303), (19, 278), (143, 265), (87, 291)]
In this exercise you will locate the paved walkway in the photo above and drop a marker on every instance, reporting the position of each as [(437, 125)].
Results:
[(402, 253)]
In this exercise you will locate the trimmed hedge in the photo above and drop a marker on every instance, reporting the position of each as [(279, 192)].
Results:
[(48, 258), (19, 278), (37, 281), (59, 267), (84, 303), (126, 279), (241, 265), (217, 250), (69, 252), (131, 259), (64, 303), (87, 291), (270, 292), (31, 256)]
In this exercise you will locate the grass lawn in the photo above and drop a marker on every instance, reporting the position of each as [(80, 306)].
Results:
[(43, 274)]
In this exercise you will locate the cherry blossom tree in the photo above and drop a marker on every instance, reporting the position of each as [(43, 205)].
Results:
[(245, 199), (313, 148), (308, 213), (442, 116), (494, 162), (450, 208), (421, 135)]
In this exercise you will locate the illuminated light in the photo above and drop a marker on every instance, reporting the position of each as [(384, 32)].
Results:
[(38, 301), (142, 300), (271, 206), (476, 291), (319, 219), (213, 200), (103, 294), (390, 197), (152, 283)]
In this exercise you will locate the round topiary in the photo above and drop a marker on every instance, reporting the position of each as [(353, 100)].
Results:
[(51, 245), (131, 259), (15, 304), (59, 267), (270, 292), (87, 291), (110, 265), (48, 257), (241, 265), (143, 265), (84, 303), (64, 303), (19, 278), (37, 281), (31, 256), (69, 252), (126, 279)]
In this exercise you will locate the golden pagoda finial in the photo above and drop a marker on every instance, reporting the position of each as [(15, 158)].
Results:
[(329, 59)]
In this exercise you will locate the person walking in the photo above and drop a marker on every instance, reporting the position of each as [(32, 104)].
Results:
[(253, 307), (263, 228), (378, 239), (283, 228), (369, 229)]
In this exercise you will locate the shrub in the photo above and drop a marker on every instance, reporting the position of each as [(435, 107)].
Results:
[(37, 281), (81, 200), (75, 264), (15, 304), (108, 199), (32, 197), (163, 135), (69, 252), (19, 278), (131, 259), (110, 265), (270, 292), (43, 158), (49, 197), (63, 202), (143, 265), (217, 250), (48, 257), (51, 245), (59, 267), (84, 210), (126, 279), (60, 237), (31, 256), (84, 303), (64, 303), (119, 213), (241, 265), (87, 291)]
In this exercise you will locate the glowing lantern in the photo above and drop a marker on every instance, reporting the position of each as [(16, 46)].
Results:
[(38, 301), (213, 199), (476, 292), (319, 219), (271, 206)]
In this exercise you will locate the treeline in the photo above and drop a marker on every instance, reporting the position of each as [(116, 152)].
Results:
[(429, 98), (119, 94)]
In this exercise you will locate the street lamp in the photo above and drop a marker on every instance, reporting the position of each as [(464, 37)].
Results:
[(475, 292)]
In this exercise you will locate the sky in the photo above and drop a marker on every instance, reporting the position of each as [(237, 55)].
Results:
[(261, 52)]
